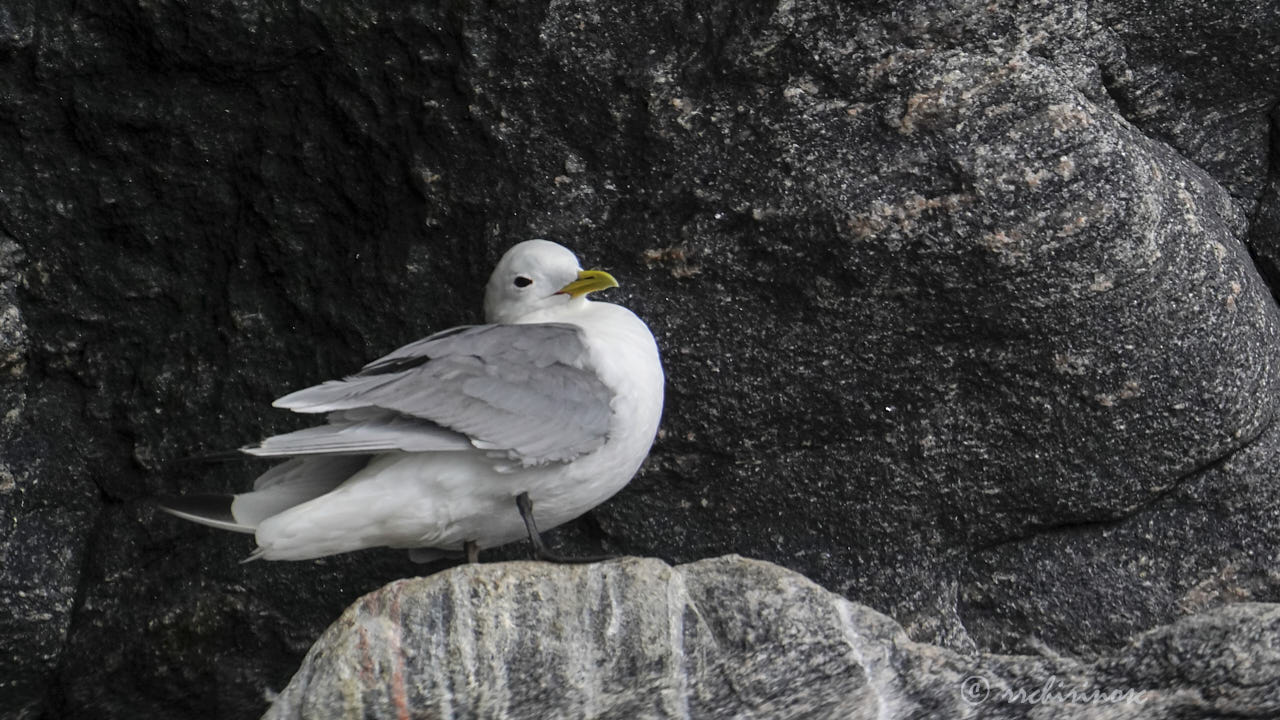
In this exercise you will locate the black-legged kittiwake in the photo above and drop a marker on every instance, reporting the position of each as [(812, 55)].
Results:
[(446, 443)]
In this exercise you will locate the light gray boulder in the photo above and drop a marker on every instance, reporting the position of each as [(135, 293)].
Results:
[(735, 638)]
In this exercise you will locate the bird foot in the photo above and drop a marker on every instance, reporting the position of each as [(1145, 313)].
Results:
[(540, 550), (542, 553)]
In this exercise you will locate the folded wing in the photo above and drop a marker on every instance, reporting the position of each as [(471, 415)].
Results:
[(525, 392)]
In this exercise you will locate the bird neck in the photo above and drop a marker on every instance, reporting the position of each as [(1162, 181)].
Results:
[(560, 312)]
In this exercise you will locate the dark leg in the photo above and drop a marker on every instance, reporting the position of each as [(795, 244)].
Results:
[(473, 552), (540, 550)]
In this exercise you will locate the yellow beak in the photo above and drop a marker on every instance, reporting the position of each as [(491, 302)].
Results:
[(588, 281)]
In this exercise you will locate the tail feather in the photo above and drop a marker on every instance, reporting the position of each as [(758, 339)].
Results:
[(253, 507), (280, 488), (212, 510)]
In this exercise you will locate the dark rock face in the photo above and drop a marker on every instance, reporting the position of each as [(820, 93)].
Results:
[(958, 301)]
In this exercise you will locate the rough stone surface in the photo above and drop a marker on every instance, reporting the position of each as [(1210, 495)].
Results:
[(735, 638), (626, 639), (958, 300)]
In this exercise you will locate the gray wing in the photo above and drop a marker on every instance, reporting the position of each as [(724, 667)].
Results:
[(369, 430), (527, 392)]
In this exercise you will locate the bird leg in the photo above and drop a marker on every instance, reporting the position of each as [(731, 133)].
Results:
[(540, 550), (473, 552)]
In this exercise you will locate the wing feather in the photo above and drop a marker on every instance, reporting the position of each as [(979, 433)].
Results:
[(527, 392), (382, 434)]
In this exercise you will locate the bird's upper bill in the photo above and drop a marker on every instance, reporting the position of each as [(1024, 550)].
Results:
[(588, 281)]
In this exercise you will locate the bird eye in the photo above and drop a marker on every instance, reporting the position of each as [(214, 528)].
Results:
[(523, 281)]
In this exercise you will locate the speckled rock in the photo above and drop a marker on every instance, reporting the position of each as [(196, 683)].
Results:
[(37, 583), (958, 301)]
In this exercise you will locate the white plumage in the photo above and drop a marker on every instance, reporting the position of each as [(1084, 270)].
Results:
[(428, 447)]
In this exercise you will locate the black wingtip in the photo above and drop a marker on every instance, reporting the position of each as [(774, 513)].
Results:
[(213, 457)]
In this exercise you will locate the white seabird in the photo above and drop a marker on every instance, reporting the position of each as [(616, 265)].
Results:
[(444, 444)]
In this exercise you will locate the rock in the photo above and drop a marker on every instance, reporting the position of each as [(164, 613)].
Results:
[(39, 558), (1210, 100), (632, 638), (958, 300), (731, 637)]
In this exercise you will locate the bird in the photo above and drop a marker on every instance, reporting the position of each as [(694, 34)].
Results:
[(449, 444)]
